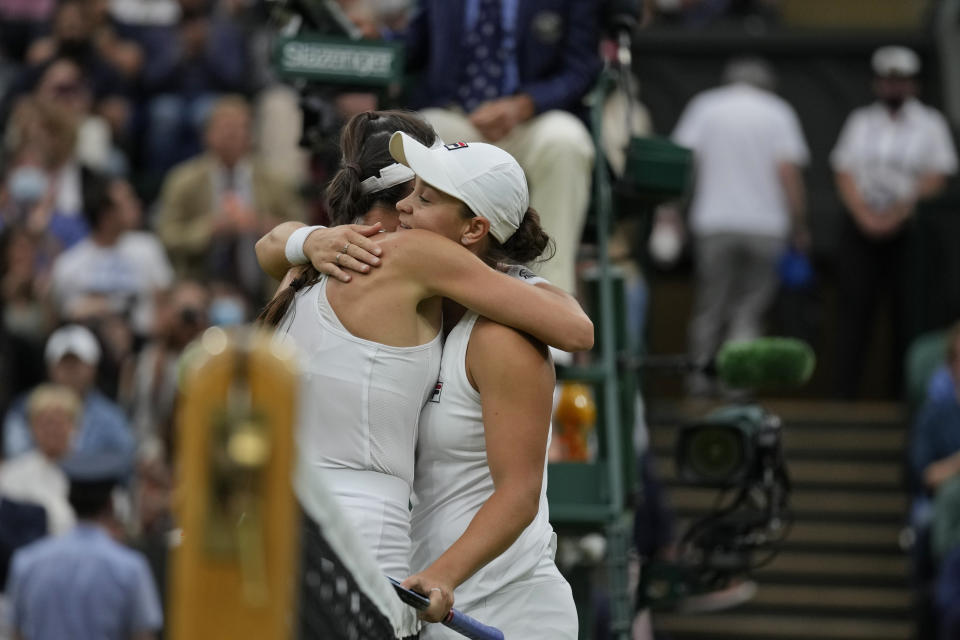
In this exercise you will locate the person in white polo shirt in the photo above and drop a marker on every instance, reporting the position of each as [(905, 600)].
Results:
[(748, 202), (890, 155)]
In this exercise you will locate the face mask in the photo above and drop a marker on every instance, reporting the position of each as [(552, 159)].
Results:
[(894, 102), (226, 312), (27, 185)]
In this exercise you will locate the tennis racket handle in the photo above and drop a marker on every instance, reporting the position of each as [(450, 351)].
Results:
[(473, 629)]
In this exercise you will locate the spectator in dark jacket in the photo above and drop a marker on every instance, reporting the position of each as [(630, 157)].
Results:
[(187, 66)]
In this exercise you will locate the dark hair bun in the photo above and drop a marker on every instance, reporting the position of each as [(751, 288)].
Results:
[(529, 241)]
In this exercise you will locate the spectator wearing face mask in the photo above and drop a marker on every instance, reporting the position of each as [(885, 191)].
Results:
[(891, 155), (43, 188), (117, 269)]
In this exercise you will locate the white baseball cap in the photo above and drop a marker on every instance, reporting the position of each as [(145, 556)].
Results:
[(895, 61), (484, 177), (73, 339)]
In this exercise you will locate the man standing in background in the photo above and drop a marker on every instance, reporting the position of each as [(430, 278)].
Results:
[(748, 201), (85, 585), (890, 155)]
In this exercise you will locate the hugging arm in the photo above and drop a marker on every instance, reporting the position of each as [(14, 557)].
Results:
[(447, 269), (323, 247), (516, 394)]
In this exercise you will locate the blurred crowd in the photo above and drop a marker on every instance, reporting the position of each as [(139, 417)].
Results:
[(147, 144)]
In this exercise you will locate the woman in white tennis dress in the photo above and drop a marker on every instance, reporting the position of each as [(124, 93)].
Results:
[(480, 521), (371, 348)]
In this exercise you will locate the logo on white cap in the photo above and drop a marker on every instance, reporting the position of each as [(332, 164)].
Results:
[(484, 177)]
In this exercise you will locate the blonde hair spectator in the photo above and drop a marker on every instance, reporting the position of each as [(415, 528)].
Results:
[(54, 396)]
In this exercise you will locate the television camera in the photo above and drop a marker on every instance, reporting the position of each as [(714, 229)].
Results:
[(736, 450)]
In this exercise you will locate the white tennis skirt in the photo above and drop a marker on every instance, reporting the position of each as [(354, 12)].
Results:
[(539, 607), (377, 506)]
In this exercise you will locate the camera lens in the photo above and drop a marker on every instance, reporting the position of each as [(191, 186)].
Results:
[(714, 454)]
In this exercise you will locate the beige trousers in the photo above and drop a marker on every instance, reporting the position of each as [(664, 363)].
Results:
[(556, 152)]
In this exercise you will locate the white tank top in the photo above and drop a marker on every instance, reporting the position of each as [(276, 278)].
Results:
[(358, 414), (452, 479)]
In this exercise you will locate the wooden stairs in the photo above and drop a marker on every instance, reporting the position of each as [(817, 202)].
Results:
[(841, 574)]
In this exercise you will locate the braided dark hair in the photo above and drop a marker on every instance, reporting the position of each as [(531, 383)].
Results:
[(365, 149)]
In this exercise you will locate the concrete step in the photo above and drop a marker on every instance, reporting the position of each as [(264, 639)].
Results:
[(847, 566), (884, 537), (857, 441), (806, 502), (802, 412), (769, 627), (841, 574), (821, 473), (891, 600)]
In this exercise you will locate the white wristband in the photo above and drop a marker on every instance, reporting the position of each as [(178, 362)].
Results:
[(294, 248)]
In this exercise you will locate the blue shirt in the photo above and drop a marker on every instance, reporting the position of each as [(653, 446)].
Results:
[(936, 433), (941, 385), (103, 428), (81, 586)]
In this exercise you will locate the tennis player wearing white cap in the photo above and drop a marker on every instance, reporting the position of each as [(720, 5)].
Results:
[(371, 347), (480, 523)]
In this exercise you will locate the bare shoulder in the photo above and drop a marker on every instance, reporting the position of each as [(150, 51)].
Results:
[(506, 343), (504, 360)]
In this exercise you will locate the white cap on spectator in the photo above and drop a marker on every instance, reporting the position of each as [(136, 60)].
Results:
[(484, 177), (73, 339), (895, 61)]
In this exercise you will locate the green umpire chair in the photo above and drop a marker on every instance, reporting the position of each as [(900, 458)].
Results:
[(597, 495)]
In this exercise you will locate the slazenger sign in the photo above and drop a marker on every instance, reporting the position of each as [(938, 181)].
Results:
[(344, 60)]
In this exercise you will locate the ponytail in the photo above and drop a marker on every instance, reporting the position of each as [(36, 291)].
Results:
[(277, 308), (345, 199), (365, 150)]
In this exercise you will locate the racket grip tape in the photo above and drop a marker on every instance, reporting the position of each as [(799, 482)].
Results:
[(471, 628)]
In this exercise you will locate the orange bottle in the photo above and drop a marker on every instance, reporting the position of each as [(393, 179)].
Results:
[(574, 419)]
